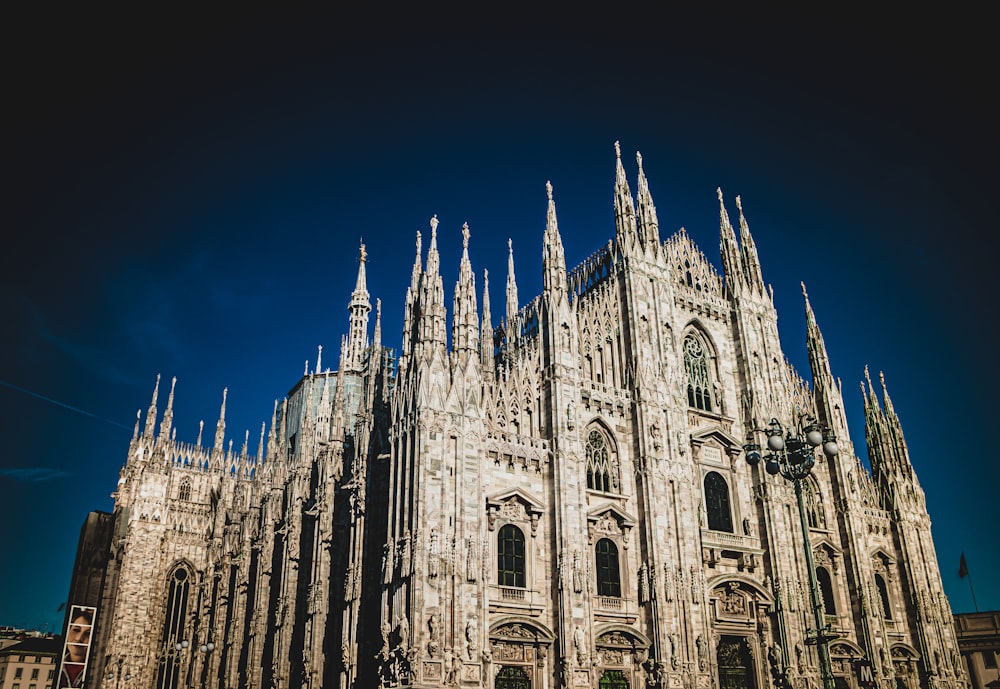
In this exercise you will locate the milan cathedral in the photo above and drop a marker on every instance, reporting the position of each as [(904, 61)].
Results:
[(558, 498)]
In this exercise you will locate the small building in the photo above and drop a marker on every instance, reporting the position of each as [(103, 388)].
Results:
[(979, 641), (30, 663)]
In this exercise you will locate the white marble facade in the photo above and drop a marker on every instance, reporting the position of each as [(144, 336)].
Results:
[(558, 501)]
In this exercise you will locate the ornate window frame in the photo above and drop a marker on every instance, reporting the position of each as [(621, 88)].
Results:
[(519, 509), (701, 375), (606, 463)]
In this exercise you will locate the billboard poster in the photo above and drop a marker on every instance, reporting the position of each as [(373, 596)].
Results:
[(76, 649)]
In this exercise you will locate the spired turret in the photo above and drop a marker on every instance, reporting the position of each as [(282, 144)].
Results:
[(826, 389), (465, 312), (649, 225), (512, 303), (553, 255), (625, 225), (360, 307)]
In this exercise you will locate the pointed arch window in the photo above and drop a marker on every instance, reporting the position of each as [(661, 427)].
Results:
[(883, 593), (510, 557), (826, 590), (696, 366), (609, 582), (720, 516), (602, 464), (185, 491), (178, 592), (815, 515)]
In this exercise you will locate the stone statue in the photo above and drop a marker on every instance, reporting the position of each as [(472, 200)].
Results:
[(472, 636), (581, 645), (702, 647), (403, 631)]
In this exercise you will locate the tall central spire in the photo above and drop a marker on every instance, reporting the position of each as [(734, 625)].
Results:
[(553, 255), (360, 307), (624, 208), (649, 225), (512, 304), (465, 319)]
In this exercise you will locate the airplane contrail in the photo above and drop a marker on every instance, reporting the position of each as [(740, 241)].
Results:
[(63, 404)]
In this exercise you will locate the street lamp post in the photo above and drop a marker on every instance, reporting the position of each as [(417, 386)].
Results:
[(792, 453)]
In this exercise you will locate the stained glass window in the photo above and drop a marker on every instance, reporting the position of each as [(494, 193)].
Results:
[(699, 387), (602, 466)]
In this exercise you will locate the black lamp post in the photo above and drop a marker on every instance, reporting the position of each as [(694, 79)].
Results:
[(792, 453)]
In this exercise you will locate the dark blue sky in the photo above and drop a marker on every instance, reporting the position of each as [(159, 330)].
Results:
[(185, 196)]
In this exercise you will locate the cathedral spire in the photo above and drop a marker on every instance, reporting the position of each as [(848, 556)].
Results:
[(732, 264), (360, 307), (826, 391), (377, 337), (220, 426), (624, 208), (649, 225), (151, 413), (751, 262), (553, 256), (512, 304), (410, 310), (433, 258), (464, 315), (168, 413), (431, 297), (486, 328), (260, 444)]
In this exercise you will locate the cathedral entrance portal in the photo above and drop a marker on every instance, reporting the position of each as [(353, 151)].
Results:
[(512, 677), (735, 664), (613, 679)]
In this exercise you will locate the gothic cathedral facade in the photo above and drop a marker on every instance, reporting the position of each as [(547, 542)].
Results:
[(559, 501)]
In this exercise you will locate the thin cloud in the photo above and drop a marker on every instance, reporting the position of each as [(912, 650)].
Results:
[(35, 474)]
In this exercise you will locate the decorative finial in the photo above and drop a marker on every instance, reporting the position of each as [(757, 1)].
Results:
[(465, 235), (804, 293), (548, 190), (434, 225), (364, 254), (718, 190), (510, 246), (618, 150), (638, 159), (739, 205)]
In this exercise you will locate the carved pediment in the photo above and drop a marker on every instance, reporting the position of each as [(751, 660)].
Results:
[(882, 561), (609, 519), (717, 437), (516, 505)]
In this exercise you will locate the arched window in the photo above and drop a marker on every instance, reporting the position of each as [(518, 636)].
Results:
[(699, 386), (609, 582), (826, 590), (720, 517), (815, 515), (602, 465), (185, 492), (178, 591), (510, 556), (883, 593)]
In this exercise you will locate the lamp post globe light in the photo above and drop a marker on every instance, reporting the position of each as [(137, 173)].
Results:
[(791, 452)]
